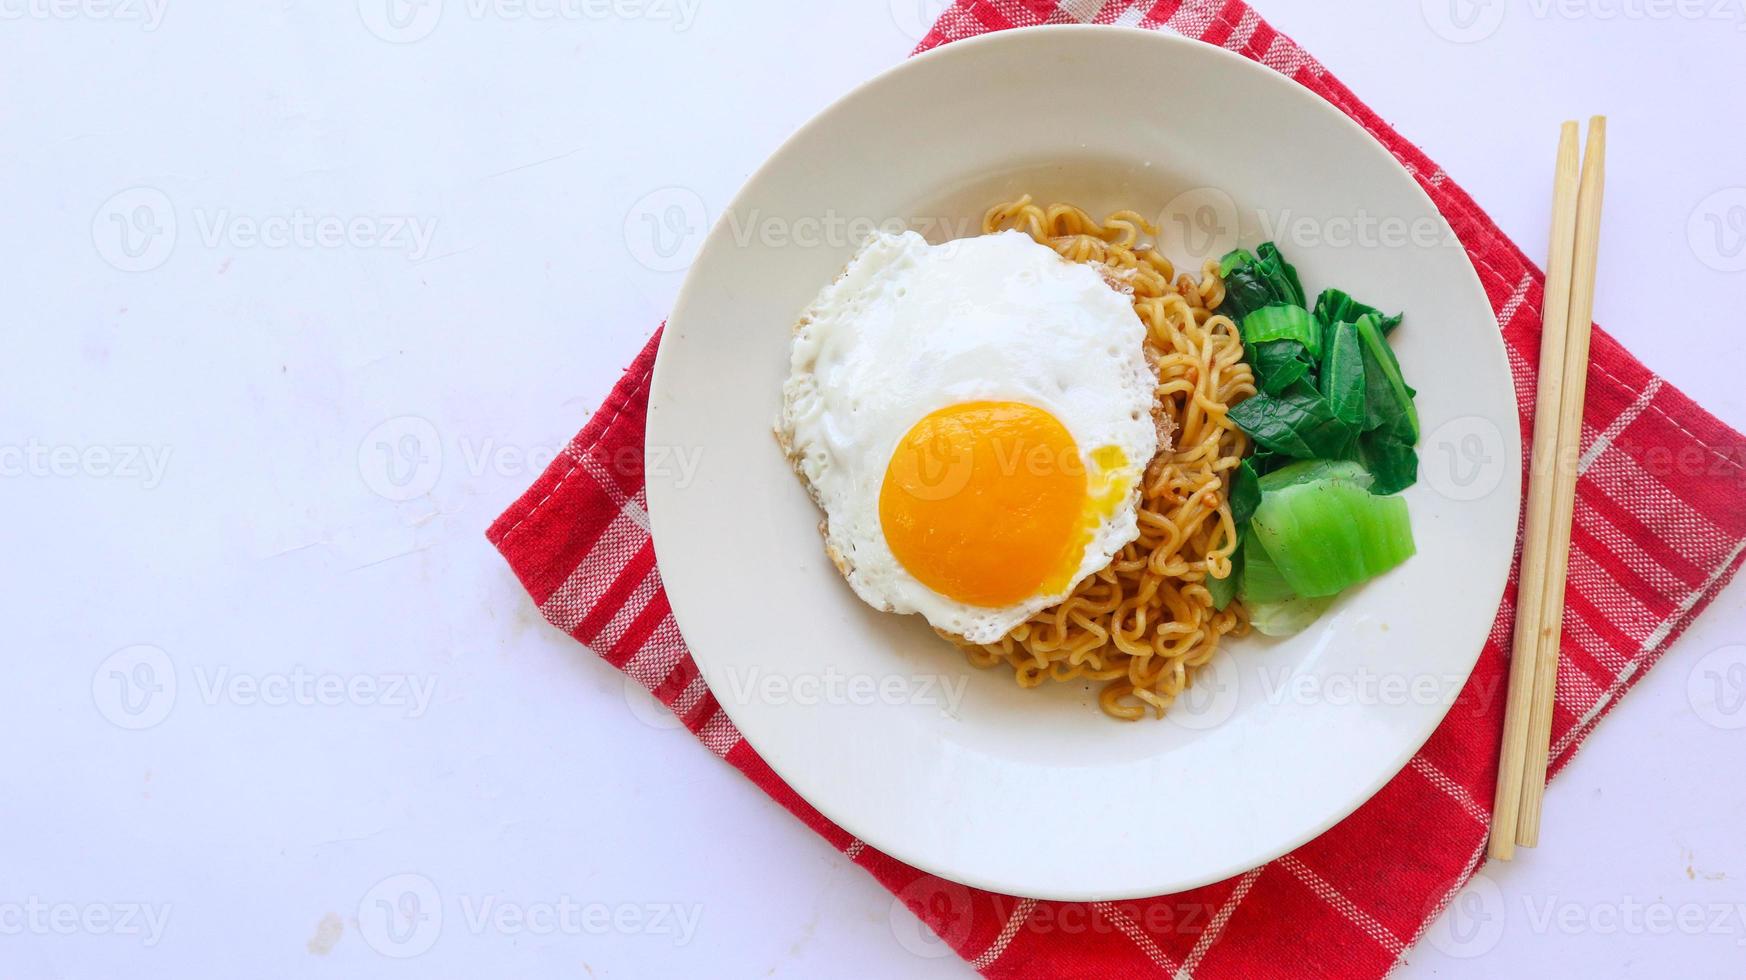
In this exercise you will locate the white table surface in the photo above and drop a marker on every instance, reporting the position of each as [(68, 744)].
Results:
[(182, 471)]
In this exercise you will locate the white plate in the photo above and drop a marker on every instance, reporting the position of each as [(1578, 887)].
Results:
[(1035, 792)]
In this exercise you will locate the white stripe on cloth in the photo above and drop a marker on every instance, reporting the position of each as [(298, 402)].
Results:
[(1245, 29), (720, 734), (570, 603), (1014, 922), (1141, 938), (1194, 17), (1130, 17), (633, 606), (1503, 628), (1574, 689), (1081, 10), (1285, 57), (1328, 893), (1627, 550), (688, 698), (1653, 640), (1514, 303), (658, 655), (1635, 490), (1578, 630), (1216, 927), (1618, 425), (1440, 779)]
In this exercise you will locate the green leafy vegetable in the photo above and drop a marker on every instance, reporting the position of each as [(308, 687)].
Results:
[(1277, 363), (1310, 470), (1334, 428), (1334, 306), (1280, 272), (1342, 375), (1261, 579), (1255, 280), (1387, 401), (1245, 494), (1391, 459), (1282, 322), (1287, 617), (1326, 535), (1266, 460), (1297, 422)]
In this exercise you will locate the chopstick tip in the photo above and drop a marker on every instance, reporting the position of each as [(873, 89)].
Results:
[(1502, 845)]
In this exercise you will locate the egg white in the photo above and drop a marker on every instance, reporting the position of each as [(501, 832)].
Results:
[(910, 328)]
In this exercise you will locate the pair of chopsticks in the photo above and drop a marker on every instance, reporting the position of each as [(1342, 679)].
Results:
[(1564, 343)]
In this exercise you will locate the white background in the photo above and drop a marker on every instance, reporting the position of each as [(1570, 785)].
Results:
[(262, 378)]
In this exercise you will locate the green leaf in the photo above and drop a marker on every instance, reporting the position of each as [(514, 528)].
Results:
[(1342, 375), (1258, 279), (1334, 306), (1280, 273), (1245, 494), (1327, 535), (1266, 460), (1277, 363), (1311, 470), (1261, 579), (1390, 459), (1387, 403), (1280, 321), (1245, 497), (1296, 422)]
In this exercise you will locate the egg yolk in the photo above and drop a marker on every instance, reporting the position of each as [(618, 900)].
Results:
[(990, 502)]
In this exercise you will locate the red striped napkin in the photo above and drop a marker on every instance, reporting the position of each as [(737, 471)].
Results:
[(1660, 528)]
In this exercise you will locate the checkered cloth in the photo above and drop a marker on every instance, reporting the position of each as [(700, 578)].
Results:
[(1660, 527)]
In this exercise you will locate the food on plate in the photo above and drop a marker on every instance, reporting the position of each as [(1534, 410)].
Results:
[(1064, 455)]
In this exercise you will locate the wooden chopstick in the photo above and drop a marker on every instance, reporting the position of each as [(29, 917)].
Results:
[(1506, 802), (1576, 345)]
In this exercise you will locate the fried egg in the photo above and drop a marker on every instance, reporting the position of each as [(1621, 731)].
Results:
[(974, 420)]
